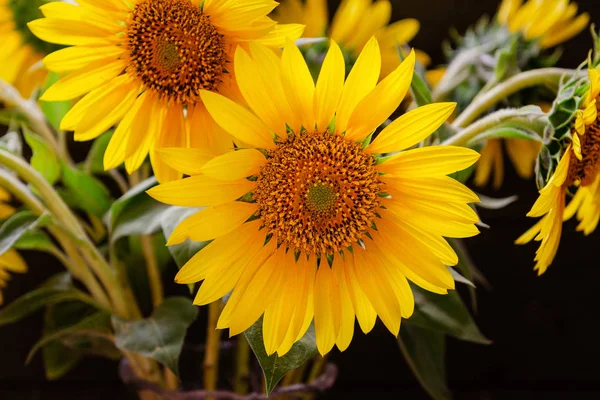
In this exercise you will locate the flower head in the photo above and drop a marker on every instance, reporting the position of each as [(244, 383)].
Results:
[(578, 169), (10, 261), (20, 50), (310, 218), (143, 63), (549, 21), (354, 23)]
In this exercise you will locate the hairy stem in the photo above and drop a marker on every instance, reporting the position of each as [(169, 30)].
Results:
[(465, 136), (507, 88)]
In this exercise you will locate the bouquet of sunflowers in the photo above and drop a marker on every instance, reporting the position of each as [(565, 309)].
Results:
[(299, 178)]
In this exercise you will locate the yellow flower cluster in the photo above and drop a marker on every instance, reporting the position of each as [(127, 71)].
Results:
[(318, 206)]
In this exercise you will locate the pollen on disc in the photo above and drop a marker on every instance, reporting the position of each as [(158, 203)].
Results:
[(318, 192), (586, 169), (174, 49)]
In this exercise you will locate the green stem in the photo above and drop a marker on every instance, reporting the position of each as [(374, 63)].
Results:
[(63, 213), (73, 263), (507, 88), (242, 365), (456, 67), (153, 270), (213, 346), (34, 114), (465, 136)]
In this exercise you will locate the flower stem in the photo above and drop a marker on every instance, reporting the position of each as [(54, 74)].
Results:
[(465, 136), (57, 207), (73, 263), (153, 270), (507, 88), (213, 341), (457, 67), (34, 114), (242, 365)]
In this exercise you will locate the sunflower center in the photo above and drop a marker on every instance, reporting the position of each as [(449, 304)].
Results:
[(23, 12), (586, 169), (320, 197), (174, 49), (318, 193)]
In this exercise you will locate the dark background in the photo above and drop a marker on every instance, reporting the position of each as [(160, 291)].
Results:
[(544, 329)]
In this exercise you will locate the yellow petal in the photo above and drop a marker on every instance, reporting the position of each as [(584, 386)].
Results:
[(329, 86), (84, 80), (361, 80), (234, 165), (430, 161), (262, 290), (324, 327), (212, 222), (239, 122), (365, 313), (199, 191), (223, 250), (186, 160), (378, 290), (411, 128), (298, 83)]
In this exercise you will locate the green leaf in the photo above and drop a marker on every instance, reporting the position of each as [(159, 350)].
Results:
[(424, 351), (94, 162), (59, 359), (445, 314), (159, 337), (16, 226), (40, 298), (96, 325), (43, 160), (141, 216), (420, 91), (85, 192), (136, 192), (273, 366), (54, 110), (35, 240), (170, 219)]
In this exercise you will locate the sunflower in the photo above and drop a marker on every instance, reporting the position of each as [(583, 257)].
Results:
[(20, 50), (310, 219), (144, 63), (354, 23), (10, 261), (578, 168), (549, 23)]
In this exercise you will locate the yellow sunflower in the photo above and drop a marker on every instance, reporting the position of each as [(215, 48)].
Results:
[(549, 21), (354, 23), (144, 63), (310, 219), (20, 51), (578, 168), (10, 261)]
